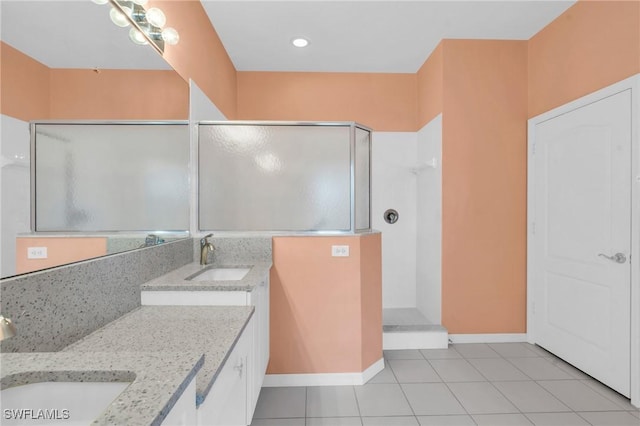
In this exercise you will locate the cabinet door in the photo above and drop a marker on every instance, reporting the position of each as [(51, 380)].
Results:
[(259, 298), (226, 403)]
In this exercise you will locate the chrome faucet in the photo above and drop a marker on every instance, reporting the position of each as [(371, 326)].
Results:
[(7, 329), (205, 248)]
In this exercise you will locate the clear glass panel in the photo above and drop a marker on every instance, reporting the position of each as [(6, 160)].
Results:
[(363, 185), (112, 177), (274, 178)]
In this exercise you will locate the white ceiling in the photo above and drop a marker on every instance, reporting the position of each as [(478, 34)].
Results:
[(72, 34), (365, 36), (346, 36)]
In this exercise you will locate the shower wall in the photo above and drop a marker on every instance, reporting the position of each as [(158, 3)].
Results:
[(429, 223), (411, 248), (394, 187)]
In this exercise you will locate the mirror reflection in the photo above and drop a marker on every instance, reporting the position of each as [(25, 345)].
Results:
[(65, 60)]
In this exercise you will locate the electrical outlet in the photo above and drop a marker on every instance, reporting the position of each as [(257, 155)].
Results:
[(36, 253), (340, 251)]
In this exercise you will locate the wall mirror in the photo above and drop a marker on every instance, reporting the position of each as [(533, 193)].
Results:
[(65, 61)]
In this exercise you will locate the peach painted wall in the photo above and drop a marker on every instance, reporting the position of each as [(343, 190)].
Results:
[(430, 87), (371, 297), (60, 251), (590, 46), (484, 186), (33, 91), (325, 313), (118, 94), (24, 85), (200, 55), (385, 102)]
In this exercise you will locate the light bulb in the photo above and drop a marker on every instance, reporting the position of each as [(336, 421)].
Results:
[(137, 37), (170, 36), (141, 2), (118, 17), (100, 1), (156, 17)]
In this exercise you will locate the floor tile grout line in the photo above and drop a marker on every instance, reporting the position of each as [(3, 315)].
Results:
[(575, 411), (579, 415), (522, 371), (605, 395), (355, 395), (404, 393), (541, 387), (545, 390), (452, 393)]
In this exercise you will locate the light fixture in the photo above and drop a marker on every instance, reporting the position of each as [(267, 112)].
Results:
[(118, 17), (137, 37), (156, 17), (170, 36), (147, 25), (300, 42)]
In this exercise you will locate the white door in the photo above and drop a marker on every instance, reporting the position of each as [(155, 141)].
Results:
[(582, 238)]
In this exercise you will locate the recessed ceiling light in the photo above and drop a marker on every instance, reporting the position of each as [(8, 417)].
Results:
[(300, 42)]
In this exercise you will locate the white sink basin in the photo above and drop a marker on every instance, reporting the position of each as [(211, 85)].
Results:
[(220, 274), (60, 403)]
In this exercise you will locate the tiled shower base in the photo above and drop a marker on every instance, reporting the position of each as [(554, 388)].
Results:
[(407, 328)]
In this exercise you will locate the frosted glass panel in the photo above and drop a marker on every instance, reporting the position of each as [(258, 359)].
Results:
[(363, 148), (274, 178), (111, 177)]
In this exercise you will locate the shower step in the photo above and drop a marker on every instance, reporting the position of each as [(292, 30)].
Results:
[(407, 328), (423, 336)]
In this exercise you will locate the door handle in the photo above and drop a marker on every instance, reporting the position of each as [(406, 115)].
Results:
[(618, 257)]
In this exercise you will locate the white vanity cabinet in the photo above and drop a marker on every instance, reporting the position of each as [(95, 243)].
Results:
[(183, 412), (259, 336), (227, 402), (259, 298)]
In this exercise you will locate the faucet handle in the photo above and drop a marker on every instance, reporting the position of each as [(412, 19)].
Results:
[(203, 240)]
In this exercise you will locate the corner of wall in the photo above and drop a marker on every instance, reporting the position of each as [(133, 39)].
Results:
[(430, 86)]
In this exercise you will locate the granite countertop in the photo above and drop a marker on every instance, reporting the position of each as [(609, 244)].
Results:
[(157, 380), (209, 330), (176, 279)]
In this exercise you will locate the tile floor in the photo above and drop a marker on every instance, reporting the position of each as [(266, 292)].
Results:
[(467, 384)]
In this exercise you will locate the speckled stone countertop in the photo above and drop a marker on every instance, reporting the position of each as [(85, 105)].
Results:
[(209, 330), (176, 279), (157, 380)]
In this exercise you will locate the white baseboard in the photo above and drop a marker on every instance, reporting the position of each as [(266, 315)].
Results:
[(415, 340), (324, 379), (488, 338)]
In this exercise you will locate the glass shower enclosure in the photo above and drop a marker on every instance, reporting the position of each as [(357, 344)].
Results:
[(312, 177)]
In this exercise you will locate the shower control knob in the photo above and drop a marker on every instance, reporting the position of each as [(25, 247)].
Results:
[(391, 216)]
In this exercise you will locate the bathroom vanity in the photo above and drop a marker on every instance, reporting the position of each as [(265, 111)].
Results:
[(130, 388), (240, 284), (223, 334), (200, 361)]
